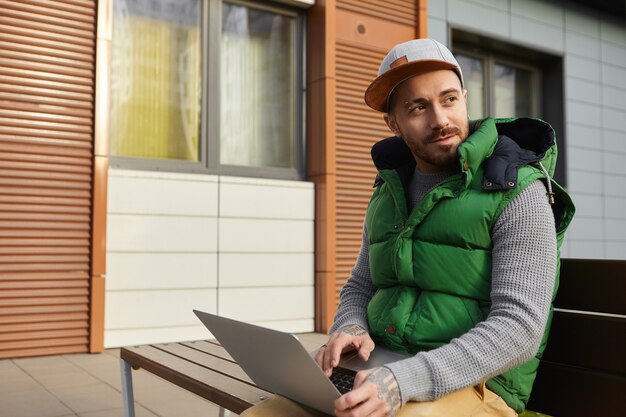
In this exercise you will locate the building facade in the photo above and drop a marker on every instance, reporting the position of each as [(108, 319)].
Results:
[(163, 155)]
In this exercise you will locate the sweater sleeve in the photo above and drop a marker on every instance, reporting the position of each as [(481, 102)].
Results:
[(524, 267), (357, 292)]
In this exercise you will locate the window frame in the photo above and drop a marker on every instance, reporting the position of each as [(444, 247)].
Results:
[(551, 81), (490, 60), (209, 134)]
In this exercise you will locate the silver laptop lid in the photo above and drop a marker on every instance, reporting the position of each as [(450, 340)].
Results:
[(275, 361)]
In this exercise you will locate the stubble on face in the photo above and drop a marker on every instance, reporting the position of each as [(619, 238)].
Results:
[(434, 134), (445, 156)]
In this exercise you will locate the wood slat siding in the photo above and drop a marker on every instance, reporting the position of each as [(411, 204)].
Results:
[(400, 11), (358, 127), (47, 62)]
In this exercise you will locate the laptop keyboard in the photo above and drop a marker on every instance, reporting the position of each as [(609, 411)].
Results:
[(343, 379)]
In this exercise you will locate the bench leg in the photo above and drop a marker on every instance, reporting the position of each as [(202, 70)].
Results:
[(224, 412), (127, 389)]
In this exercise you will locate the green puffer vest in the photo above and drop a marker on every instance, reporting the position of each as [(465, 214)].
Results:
[(432, 266)]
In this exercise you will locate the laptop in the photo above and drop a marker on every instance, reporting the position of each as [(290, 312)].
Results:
[(277, 362)]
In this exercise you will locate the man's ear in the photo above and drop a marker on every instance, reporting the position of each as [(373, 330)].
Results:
[(390, 119)]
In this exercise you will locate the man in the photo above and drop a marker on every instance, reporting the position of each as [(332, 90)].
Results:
[(459, 257)]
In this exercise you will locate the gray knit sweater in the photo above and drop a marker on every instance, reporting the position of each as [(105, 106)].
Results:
[(524, 266)]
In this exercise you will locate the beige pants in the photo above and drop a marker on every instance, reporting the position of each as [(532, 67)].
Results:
[(476, 401)]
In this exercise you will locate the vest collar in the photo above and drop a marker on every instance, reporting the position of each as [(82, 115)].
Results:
[(499, 145)]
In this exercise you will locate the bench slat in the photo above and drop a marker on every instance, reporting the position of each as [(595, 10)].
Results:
[(592, 285), (222, 390), (588, 341), (209, 361), (569, 391), (212, 348)]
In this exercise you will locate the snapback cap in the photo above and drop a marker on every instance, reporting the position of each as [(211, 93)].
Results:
[(404, 61)]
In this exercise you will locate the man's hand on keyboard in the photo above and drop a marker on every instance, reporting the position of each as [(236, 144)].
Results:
[(375, 394), (345, 339)]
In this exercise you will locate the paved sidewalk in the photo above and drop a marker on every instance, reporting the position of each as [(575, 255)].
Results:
[(89, 385)]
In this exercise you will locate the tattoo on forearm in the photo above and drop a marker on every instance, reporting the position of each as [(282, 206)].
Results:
[(354, 330), (388, 389)]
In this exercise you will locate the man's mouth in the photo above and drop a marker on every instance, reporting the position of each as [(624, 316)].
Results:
[(444, 136)]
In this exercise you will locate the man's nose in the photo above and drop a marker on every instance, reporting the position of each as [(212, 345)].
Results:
[(439, 117)]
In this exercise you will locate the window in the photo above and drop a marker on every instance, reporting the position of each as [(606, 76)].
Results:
[(499, 87), (505, 79), (207, 85)]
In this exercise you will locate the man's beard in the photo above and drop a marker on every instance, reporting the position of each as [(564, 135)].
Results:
[(446, 156)]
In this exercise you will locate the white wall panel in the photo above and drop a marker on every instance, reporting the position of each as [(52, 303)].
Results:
[(582, 20), (169, 251), (252, 200), (612, 31), (537, 34), (582, 113), (584, 181), (614, 119), (580, 136), (587, 159), (267, 304), (583, 228), (143, 195), (266, 269), (615, 185), (615, 141), (614, 54), (615, 250), (483, 18), (494, 4), (436, 9), (615, 163), (615, 229), (289, 326), (254, 235), (132, 271), (613, 76), (542, 11), (135, 233), (582, 90), (582, 68), (615, 208), (155, 308), (587, 205), (125, 337), (586, 249), (582, 45)]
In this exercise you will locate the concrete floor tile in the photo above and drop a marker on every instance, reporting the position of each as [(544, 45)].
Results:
[(86, 398), (118, 412), (37, 402), (40, 362), (70, 378), (13, 379), (6, 364), (182, 407)]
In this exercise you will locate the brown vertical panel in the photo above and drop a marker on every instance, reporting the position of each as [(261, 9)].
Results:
[(321, 151), (365, 31), (46, 175)]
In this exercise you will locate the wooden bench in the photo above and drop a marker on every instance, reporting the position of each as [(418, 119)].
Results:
[(583, 369), (582, 373), (204, 368)]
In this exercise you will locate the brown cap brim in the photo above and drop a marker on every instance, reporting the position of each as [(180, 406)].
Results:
[(377, 93)]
